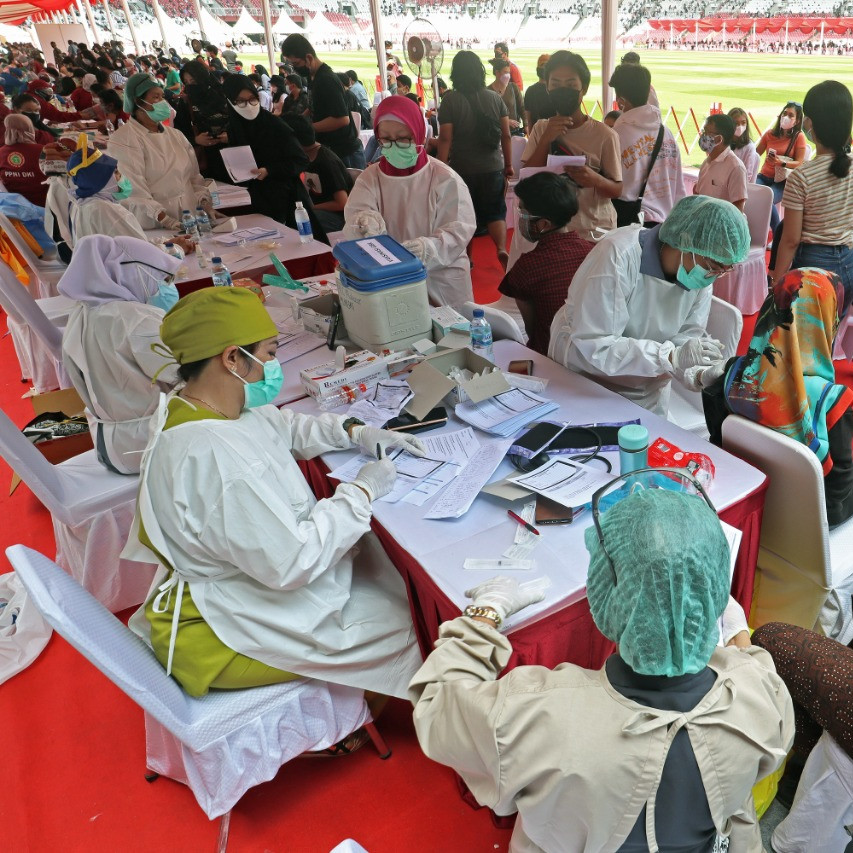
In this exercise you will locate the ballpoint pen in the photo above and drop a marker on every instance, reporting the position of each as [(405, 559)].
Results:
[(522, 522)]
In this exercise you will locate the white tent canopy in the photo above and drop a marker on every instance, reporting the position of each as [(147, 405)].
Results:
[(285, 25), (246, 25), (215, 28)]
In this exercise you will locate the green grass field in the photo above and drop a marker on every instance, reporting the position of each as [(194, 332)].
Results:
[(759, 83)]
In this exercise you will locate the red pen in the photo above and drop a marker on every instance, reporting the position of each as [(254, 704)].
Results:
[(522, 522)]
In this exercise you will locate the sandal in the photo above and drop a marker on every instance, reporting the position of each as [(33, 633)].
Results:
[(351, 743)]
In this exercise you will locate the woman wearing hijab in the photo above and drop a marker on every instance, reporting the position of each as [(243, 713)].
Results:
[(202, 116), (259, 582), (158, 160), (19, 160), (657, 750), (277, 185), (81, 97), (122, 289), (786, 380), (419, 201)]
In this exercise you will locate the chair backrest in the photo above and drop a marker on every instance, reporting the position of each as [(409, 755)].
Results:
[(725, 323), (518, 146), (354, 173), (19, 243), (759, 202), (794, 570), (356, 119), (18, 301), (503, 325)]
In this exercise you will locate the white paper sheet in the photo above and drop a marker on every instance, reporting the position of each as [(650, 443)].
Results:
[(383, 402), (505, 413), (733, 537), (292, 345), (246, 235), (455, 500), (239, 162), (556, 162), (432, 485), (458, 446), (569, 483)]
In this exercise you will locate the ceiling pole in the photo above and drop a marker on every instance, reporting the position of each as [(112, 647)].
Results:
[(136, 43), (609, 9)]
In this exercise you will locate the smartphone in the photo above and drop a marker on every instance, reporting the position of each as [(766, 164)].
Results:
[(404, 422), (551, 512), (524, 366)]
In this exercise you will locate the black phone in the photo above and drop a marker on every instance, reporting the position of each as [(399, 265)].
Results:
[(404, 422)]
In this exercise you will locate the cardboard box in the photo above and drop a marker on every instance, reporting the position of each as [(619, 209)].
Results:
[(431, 383), (364, 367), (446, 319), (58, 450), (317, 314)]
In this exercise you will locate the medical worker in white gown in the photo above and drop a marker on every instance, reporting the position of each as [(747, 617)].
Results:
[(267, 583), (638, 306), (419, 201), (157, 160)]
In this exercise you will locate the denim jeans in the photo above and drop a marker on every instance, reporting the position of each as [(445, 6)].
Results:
[(837, 259), (778, 188), (356, 159)]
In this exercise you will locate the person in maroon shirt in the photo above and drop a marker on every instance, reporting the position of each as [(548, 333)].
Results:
[(539, 281), (41, 90), (19, 160)]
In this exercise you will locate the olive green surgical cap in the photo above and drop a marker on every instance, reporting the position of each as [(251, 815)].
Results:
[(707, 226), (137, 85), (204, 323), (672, 563)]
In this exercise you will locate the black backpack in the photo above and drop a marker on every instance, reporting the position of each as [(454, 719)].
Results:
[(486, 127)]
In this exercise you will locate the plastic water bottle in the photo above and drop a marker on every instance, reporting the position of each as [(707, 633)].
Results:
[(214, 196), (189, 226), (633, 448), (481, 335), (221, 276), (205, 230), (303, 224), (173, 250)]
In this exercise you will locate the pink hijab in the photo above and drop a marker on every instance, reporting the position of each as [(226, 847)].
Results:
[(405, 110)]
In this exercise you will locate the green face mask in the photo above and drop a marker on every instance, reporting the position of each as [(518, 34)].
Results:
[(159, 112), (401, 158), (125, 188)]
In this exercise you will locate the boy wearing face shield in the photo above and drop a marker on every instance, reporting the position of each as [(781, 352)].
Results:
[(539, 279), (572, 132), (636, 315), (722, 175)]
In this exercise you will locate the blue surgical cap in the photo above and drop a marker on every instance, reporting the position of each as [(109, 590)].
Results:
[(672, 563)]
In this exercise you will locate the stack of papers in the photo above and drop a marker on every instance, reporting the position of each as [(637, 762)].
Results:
[(239, 162), (246, 235), (505, 413), (568, 483)]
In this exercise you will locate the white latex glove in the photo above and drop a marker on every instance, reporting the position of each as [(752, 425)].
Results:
[(367, 437), (377, 478), (697, 378), (368, 223), (734, 621), (417, 247), (712, 349), (504, 595), (170, 223), (692, 353)]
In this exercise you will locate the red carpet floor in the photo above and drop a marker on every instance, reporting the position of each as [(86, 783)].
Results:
[(74, 755)]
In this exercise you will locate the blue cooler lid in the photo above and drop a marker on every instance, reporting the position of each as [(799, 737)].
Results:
[(374, 260)]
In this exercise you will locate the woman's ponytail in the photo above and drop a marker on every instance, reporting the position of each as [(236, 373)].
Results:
[(840, 165)]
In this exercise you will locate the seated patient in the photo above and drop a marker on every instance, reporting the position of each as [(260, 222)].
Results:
[(540, 279), (786, 380), (266, 581), (122, 289), (661, 747)]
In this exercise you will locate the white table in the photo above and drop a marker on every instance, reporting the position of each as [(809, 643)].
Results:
[(441, 547), (251, 259)]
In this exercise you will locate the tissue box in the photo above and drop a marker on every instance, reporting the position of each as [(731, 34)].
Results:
[(446, 319), (363, 367)]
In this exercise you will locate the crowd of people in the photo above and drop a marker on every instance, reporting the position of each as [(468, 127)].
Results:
[(259, 583)]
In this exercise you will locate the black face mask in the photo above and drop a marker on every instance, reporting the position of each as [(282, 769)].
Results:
[(565, 101), (33, 117)]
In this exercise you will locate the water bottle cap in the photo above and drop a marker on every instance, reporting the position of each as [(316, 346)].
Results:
[(170, 243), (479, 312), (185, 210), (633, 437), (216, 260)]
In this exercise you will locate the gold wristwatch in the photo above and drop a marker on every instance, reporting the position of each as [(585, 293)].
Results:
[(473, 610)]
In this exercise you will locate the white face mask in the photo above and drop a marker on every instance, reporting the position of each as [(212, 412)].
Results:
[(247, 111), (739, 129), (504, 78), (786, 122)]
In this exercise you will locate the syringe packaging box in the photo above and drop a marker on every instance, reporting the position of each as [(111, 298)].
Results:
[(362, 367)]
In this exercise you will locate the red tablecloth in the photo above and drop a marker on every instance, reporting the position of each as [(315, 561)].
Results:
[(322, 264), (570, 634)]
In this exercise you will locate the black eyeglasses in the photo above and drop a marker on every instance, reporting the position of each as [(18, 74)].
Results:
[(386, 144), (669, 479)]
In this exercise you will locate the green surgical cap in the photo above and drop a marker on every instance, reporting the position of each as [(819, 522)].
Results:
[(137, 85), (672, 562), (204, 323), (709, 227)]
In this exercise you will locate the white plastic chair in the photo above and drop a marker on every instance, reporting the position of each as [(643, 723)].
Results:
[(843, 347), (91, 509), (354, 173), (805, 571), (219, 745), (518, 143), (46, 270), (356, 120), (35, 326), (725, 323), (504, 327), (746, 285)]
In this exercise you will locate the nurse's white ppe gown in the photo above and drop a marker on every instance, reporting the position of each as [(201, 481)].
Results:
[(98, 216), (279, 576), (163, 170), (619, 327), (433, 204)]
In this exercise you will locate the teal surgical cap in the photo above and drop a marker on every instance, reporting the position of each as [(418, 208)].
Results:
[(709, 227), (672, 563), (135, 88)]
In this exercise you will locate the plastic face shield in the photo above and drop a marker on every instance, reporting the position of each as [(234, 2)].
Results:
[(671, 479)]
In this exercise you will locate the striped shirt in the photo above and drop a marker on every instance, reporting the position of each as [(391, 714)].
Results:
[(826, 202)]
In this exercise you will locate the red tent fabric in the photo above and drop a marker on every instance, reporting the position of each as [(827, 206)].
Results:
[(795, 23), (17, 11)]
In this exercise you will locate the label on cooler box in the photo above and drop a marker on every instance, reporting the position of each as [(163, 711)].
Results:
[(383, 256)]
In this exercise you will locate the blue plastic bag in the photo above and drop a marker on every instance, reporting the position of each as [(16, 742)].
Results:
[(15, 206)]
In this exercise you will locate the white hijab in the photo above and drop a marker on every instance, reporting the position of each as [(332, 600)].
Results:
[(109, 269)]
